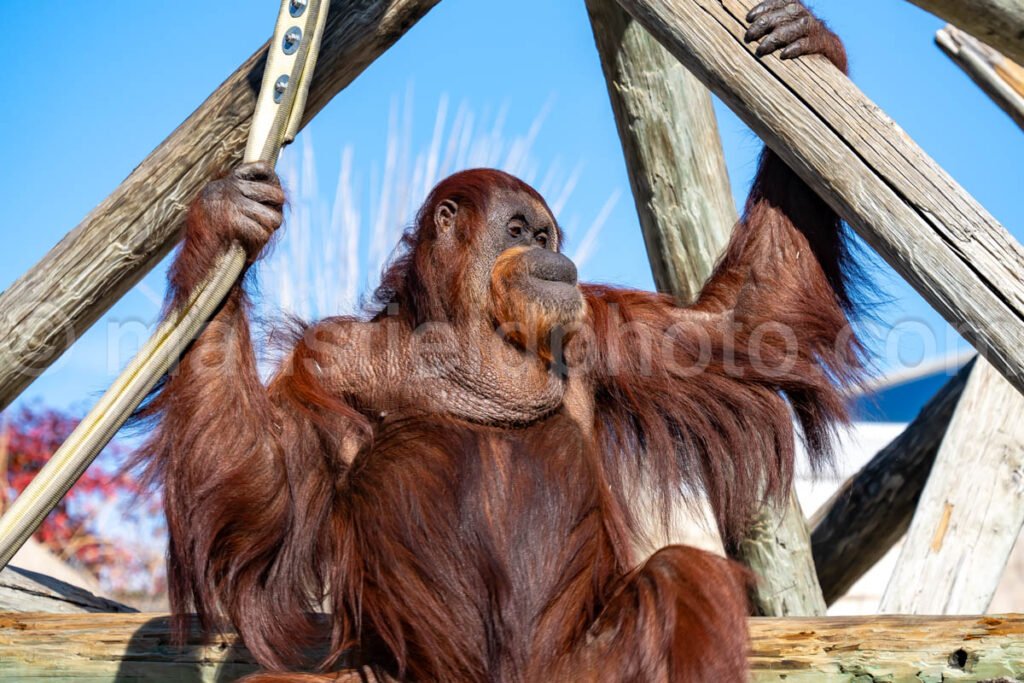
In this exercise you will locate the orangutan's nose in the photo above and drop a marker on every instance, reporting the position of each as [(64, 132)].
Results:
[(551, 266)]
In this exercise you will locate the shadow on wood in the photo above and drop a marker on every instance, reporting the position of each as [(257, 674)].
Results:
[(151, 656)]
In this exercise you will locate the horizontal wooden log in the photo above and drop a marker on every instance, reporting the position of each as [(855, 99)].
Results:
[(927, 227), (895, 649), (990, 70), (43, 312), (98, 648), (999, 23), (872, 510)]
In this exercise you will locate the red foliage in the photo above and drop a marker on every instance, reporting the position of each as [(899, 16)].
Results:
[(28, 437)]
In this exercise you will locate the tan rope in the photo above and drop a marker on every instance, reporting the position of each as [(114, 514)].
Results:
[(275, 122)]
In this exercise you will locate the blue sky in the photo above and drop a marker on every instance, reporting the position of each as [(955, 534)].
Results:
[(95, 87)]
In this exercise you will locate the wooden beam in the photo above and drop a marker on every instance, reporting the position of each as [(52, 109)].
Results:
[(22, 590), (972, 509), (777, 549), (990, 70), (52, 648), (49, 307), (896, 649), (999, 23), (907, 208), (1013, 74), (669, 134), (872, 510), (673, 152)]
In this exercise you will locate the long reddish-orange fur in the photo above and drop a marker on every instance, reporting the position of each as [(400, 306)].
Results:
[(453, 551)]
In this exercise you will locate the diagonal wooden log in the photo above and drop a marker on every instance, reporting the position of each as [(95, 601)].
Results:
[(999, 23), (1001, 79), (907, 208), (1011, 73), (43, 312), (104, 648), (22, 590), (869, 513), (972, 509), (669, 134)]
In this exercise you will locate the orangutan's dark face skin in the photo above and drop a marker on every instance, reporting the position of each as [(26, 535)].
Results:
[(518, 251)]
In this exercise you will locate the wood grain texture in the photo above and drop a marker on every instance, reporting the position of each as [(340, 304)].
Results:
[(49, 307), (778, 550), (136, 647), (669, 135), (673, 152), (972, 509), (22, 590), (891, 649), (990, 70), (908, 209), (872, 510), (1013, 74), (999, 23)]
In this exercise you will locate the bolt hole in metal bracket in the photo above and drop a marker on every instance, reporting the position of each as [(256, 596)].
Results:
[(292, 40), (280, 87)]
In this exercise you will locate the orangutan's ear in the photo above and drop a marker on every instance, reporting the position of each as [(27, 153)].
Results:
[(444, 215)]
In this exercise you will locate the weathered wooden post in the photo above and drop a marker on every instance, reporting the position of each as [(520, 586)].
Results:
[(670, 139), (872, 510), (669, 136), (972, 508), (22, 590)]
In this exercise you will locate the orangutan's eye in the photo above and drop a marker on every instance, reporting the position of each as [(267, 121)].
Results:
[(515, 230), (541, 238)]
